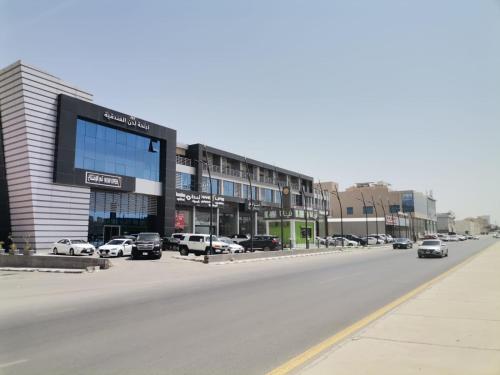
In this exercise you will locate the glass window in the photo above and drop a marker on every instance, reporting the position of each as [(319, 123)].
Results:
[(266, 195), (184, 181), (229, 188), (104, 149), (367, 210), (394, 208), (350, 211), (206, 185)]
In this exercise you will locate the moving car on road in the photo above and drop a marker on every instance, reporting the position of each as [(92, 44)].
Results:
[(116, 248), (402, 243), (262, 242), (433, 248), (72, 247), (148, 245)]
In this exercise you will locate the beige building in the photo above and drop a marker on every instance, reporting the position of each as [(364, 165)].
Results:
[(473, 225), (375, 208), (446, 222)]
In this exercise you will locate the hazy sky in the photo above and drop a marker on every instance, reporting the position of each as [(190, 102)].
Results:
[(402, 91)]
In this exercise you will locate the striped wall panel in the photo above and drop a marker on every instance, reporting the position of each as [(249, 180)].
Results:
[(39, 209)]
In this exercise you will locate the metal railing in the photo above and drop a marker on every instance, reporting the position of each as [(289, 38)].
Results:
[(184, 161)]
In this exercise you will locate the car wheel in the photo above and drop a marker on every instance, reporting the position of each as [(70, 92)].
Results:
[(158, 256), (54, 251), (71, 252), (184, 251), (120, 254), (266, 248), (420, 256)]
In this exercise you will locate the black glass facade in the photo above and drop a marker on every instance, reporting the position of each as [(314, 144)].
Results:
[(116, 213), (104, 149)]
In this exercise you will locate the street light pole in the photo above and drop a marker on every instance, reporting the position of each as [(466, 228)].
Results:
[(326, 213), (251, 206), (211, 200), (305, 214), (341, 213), (366, 216), (376, 214), (383, 210), (281, 211)]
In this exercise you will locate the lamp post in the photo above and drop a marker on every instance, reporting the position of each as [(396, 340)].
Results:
[(366, 215), (326, 213), (376, 214), (211, 201), (383, 210), (304, 198), (281, 211), (336, 193), (251, 206)]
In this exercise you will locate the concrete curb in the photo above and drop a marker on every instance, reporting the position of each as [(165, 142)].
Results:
[(272, 255), (50, 270)]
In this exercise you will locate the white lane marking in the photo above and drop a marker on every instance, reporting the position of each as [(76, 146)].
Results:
[(3, 365)]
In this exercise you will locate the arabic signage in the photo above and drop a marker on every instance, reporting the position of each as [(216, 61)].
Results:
[(198, 199), (100, 179), (127, 120)]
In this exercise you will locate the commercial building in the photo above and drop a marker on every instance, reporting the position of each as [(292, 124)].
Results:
[(473, 225), (71, 168), (446, 222), (374, 208)]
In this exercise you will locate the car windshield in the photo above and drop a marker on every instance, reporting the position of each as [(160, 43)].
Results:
[(78, 241), (148, 237), (431, 243), (115, 242), (401, 239)]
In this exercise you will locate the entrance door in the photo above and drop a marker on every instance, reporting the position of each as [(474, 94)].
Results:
[(110, 231)]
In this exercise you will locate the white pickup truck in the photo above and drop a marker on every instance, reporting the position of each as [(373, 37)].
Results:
[(199, 244)]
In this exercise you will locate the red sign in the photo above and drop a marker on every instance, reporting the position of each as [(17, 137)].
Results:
[(180, 220)]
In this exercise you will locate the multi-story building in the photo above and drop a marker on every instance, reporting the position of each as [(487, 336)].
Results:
[(375, 208), (71, 168), (473, 225), (446, 222)]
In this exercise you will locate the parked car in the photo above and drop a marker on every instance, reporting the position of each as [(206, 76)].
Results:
[(199, 244), (444, 237), (402, 243), (116, 248), (461, 237), (431, 237), (381, 239), (453, 238), (496, 235), (475, 237), (72, 247), (342, 241), (262, 242), (237, 238), (390, 239), (232, 247), (172, 242), (370, 240), (353, 237), (147, 244), (433, 248)]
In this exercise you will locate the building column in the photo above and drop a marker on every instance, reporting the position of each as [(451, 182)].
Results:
[(217, 222), (255, 225), (194, 220), (237, 216), (267, 227)]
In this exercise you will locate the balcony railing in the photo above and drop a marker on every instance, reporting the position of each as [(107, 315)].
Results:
[(184, 161)]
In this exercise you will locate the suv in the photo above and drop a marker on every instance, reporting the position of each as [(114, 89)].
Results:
[(265, 243), (199, 244), (147, 245)]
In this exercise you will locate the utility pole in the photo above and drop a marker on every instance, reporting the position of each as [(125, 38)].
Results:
[(366, 216), (251, 206), (376, 214), (305, 214), (383, 210), (211, 200), (281, 211), (326, 213), (341, 213)]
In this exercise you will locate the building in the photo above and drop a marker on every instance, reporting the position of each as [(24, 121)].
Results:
[(446, 222), (71, 168), (474, 225), (375, 208)]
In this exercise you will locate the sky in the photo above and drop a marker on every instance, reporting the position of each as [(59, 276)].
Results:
[(407, 92)]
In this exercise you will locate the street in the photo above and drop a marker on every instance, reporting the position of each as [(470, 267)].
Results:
[(180, 317)]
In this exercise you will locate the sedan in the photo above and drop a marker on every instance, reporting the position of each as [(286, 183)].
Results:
[(433, 248), (233, 247), (72, 247), (116, 248), (340, 241), (402, 243), (370, 240)]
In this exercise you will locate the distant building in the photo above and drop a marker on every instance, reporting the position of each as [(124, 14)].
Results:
[(446, 222), (474, 225), (399, 213)]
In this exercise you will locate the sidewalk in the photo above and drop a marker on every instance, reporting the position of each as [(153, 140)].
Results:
[(453, 327)]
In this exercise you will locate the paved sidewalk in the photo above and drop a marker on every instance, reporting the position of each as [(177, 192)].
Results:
[(453, 327)]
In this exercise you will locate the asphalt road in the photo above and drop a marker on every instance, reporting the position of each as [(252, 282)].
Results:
[(229, 319)]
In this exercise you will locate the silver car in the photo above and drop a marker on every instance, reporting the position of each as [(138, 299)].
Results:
[(433, 248)]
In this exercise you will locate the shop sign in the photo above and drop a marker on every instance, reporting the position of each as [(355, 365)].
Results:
[(100, 179), (198, 199), (255, 205), (127, 120)]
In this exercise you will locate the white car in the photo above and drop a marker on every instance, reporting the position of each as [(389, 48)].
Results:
[(371, 240), (72, 247), (116, 248), (199, 244), (233, 247), (342, 241)]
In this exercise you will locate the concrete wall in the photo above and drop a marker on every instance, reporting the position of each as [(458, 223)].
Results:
[(39, 209)]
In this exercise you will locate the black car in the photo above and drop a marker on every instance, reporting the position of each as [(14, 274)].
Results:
[(147, 245), (172, 242), (402, 243), (265, 243)]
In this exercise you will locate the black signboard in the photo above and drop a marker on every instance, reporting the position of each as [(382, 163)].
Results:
[(198, 199), (92, 178)]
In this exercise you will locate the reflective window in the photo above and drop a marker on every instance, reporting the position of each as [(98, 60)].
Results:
[(246, 194), (229, 188), (206, 185), (350, 211), (103, 149), (394, 208), (266, 195), (184, 181)]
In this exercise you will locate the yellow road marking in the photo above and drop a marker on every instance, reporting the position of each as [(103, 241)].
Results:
[(312, 352)]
